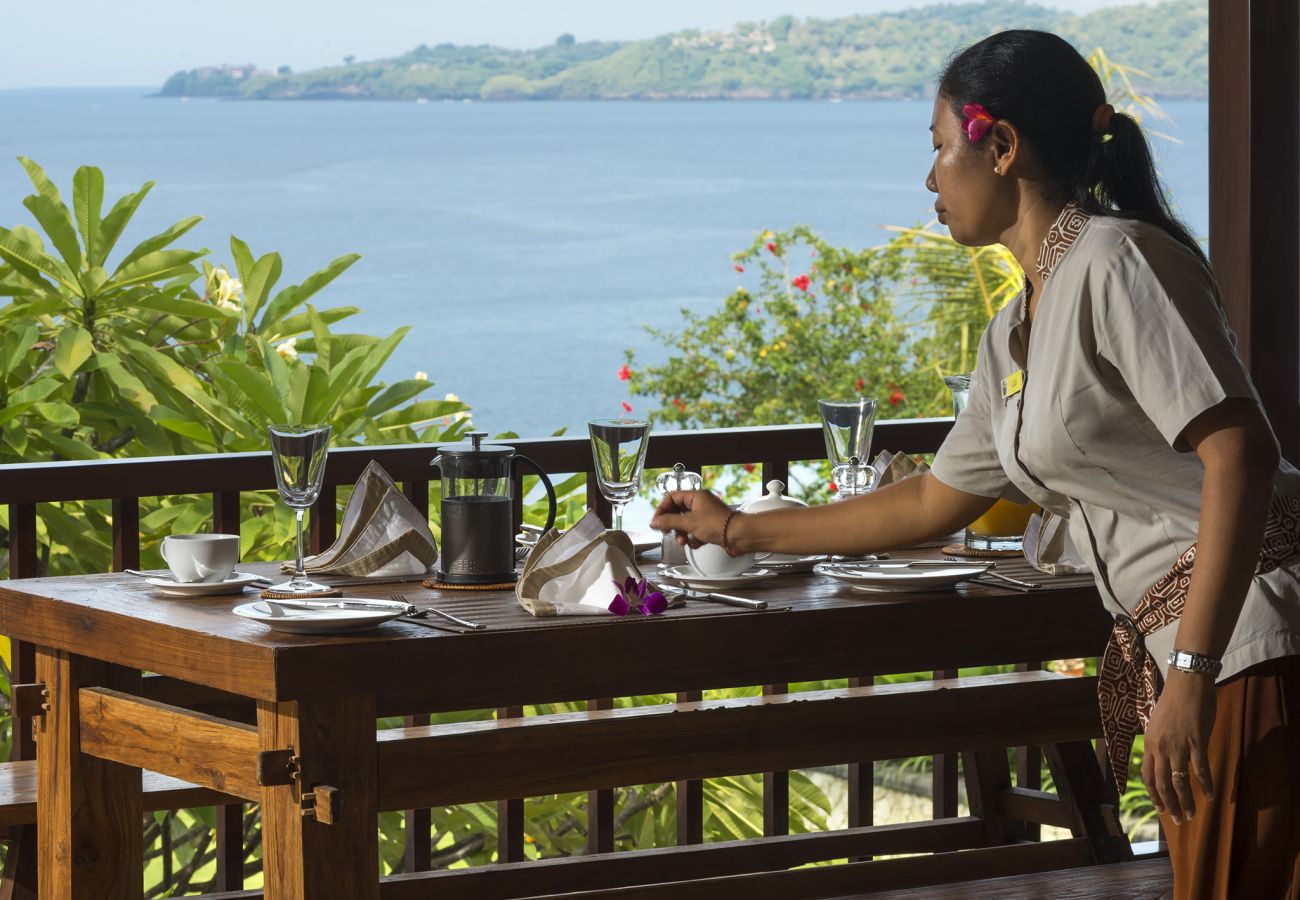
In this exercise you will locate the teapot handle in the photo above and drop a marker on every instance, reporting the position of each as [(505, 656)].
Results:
[(546, 483)]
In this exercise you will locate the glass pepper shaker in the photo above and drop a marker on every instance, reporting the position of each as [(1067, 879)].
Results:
[(672, 553)]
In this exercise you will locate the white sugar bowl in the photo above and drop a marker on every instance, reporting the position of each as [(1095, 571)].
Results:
[(775, 498)]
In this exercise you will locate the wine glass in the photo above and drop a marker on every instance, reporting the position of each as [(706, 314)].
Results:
[(299, 454), (618, 449), (847, 426)]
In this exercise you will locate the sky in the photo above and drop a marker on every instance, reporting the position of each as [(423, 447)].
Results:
[(66, 43)]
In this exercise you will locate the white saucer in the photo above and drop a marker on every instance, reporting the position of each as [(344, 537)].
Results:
[(874, 580), (235, 582), (687, 577), (313, 621)]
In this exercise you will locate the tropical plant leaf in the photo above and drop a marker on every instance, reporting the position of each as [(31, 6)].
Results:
[(88, 201), (74, 347), (262, 278), (160, 240), (110, 230), (30, 261), (155, 266), (259, 389), (40, 180), (292, 296), (54, 217)]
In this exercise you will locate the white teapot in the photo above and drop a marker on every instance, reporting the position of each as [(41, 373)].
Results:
[(775, 498)]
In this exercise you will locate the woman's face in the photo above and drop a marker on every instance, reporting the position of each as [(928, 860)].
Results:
[(970, 194)]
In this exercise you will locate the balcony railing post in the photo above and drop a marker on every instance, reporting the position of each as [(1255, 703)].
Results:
[(945, 772), (126, 533), (600, 805), (510, 813), (225, 512)]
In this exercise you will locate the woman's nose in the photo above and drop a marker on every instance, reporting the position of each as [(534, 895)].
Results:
[(930, 184)]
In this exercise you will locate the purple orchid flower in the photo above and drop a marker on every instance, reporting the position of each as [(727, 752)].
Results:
[(637, 595)]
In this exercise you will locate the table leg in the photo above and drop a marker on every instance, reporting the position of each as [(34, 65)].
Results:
[(333, 741), (91, 836)]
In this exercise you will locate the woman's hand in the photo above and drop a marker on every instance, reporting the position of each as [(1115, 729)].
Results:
[(1176, 738), (696, 516)]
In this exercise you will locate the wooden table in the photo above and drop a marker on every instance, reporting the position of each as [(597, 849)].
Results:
[(317, 699)]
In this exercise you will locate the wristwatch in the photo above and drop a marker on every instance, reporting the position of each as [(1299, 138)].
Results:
[(1195, 662)]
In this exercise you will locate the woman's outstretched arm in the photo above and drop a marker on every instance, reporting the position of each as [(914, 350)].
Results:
[(903, 514)]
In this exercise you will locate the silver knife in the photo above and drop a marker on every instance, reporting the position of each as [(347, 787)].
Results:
[(726, 600), (344, 603)]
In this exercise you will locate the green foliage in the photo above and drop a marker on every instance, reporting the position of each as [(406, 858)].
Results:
[(162, 353), (893, 54)]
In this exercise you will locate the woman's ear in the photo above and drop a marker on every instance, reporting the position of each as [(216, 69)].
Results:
[(1004, 141)]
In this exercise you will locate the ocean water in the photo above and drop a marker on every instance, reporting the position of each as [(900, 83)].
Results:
[(525, 244)]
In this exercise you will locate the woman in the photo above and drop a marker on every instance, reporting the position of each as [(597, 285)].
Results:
[(1109, 392)]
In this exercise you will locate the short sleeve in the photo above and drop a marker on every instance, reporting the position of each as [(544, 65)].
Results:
[(968, 459), (1159, 322)]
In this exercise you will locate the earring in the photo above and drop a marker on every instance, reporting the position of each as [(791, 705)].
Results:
[(997, 170)]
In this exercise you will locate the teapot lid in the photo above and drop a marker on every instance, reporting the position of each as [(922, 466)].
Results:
[(476, 447), (775, 498)]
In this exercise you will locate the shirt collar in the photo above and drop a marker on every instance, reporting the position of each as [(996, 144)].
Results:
[(1060, 238)]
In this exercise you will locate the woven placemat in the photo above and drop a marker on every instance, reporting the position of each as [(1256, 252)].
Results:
[(444, 586), (960, 550), (269, 594)]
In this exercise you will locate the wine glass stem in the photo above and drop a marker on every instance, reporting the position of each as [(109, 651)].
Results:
[(618, 516), (299, 569)]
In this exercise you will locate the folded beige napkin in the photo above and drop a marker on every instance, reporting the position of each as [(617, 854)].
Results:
[(579, 572), (382, 533), (891, 467), (1048, 546)]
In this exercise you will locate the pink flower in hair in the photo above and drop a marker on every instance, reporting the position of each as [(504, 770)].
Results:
[(977, 122)]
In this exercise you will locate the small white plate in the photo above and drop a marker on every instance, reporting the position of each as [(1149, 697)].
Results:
[(235, 582), (688, 577), (877, 580), (313, 621)]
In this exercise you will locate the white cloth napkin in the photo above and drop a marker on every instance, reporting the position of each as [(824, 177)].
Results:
[(1048, 546), (577, 572), (382, 533)]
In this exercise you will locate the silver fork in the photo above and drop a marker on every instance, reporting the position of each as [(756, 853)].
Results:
[(422, 611)]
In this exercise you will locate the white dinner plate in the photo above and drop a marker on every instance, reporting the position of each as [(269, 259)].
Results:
[(313, 621), (235, 582), (877, 580), (689, 578)]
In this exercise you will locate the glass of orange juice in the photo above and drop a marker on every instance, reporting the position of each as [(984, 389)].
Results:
[(1002, 527)]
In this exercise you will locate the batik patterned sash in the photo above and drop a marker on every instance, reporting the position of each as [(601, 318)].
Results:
[(1128, 683)]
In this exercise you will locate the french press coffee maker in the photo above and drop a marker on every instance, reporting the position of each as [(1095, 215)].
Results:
[(478, 485)]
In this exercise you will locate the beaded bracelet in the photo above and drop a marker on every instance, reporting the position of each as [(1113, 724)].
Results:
[(725, 522)]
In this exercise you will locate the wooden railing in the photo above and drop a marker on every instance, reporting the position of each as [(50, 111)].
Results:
[(124, 482)]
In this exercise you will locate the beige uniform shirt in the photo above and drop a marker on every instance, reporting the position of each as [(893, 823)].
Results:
[(1129, 344)]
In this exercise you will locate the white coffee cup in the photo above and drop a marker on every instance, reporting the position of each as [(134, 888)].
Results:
[(711, 561), (202, 558)]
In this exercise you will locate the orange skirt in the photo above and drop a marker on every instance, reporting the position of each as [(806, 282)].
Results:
[(1247, 843)]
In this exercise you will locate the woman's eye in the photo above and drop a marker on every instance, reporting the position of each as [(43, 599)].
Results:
[(935, 148)]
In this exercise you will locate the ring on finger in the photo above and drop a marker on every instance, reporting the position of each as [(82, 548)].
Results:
[(1178, 775)]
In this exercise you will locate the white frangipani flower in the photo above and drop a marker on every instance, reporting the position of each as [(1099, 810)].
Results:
[(288, 350)]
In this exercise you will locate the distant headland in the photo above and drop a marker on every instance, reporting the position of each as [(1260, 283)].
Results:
[(887, 55)]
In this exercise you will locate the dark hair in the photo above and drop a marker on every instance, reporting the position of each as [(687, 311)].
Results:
[(1041, 84)]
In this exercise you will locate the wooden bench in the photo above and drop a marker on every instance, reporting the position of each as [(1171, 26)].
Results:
[(18, 793), (979, 717)]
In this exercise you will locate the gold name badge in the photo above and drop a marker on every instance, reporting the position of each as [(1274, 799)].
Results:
[(1012, 384)]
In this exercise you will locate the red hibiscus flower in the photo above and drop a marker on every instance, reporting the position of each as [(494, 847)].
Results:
[(896, 397), (801, 282), (738, 267), (834, 488), (859, 384), (749, 467), (771, 248), (627, 407), (624, 373)]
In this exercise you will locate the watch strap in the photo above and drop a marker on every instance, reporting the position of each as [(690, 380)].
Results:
[(1199, 663)]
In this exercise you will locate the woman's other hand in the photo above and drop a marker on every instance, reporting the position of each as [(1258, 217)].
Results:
[(1176, 738), (696, 516)]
